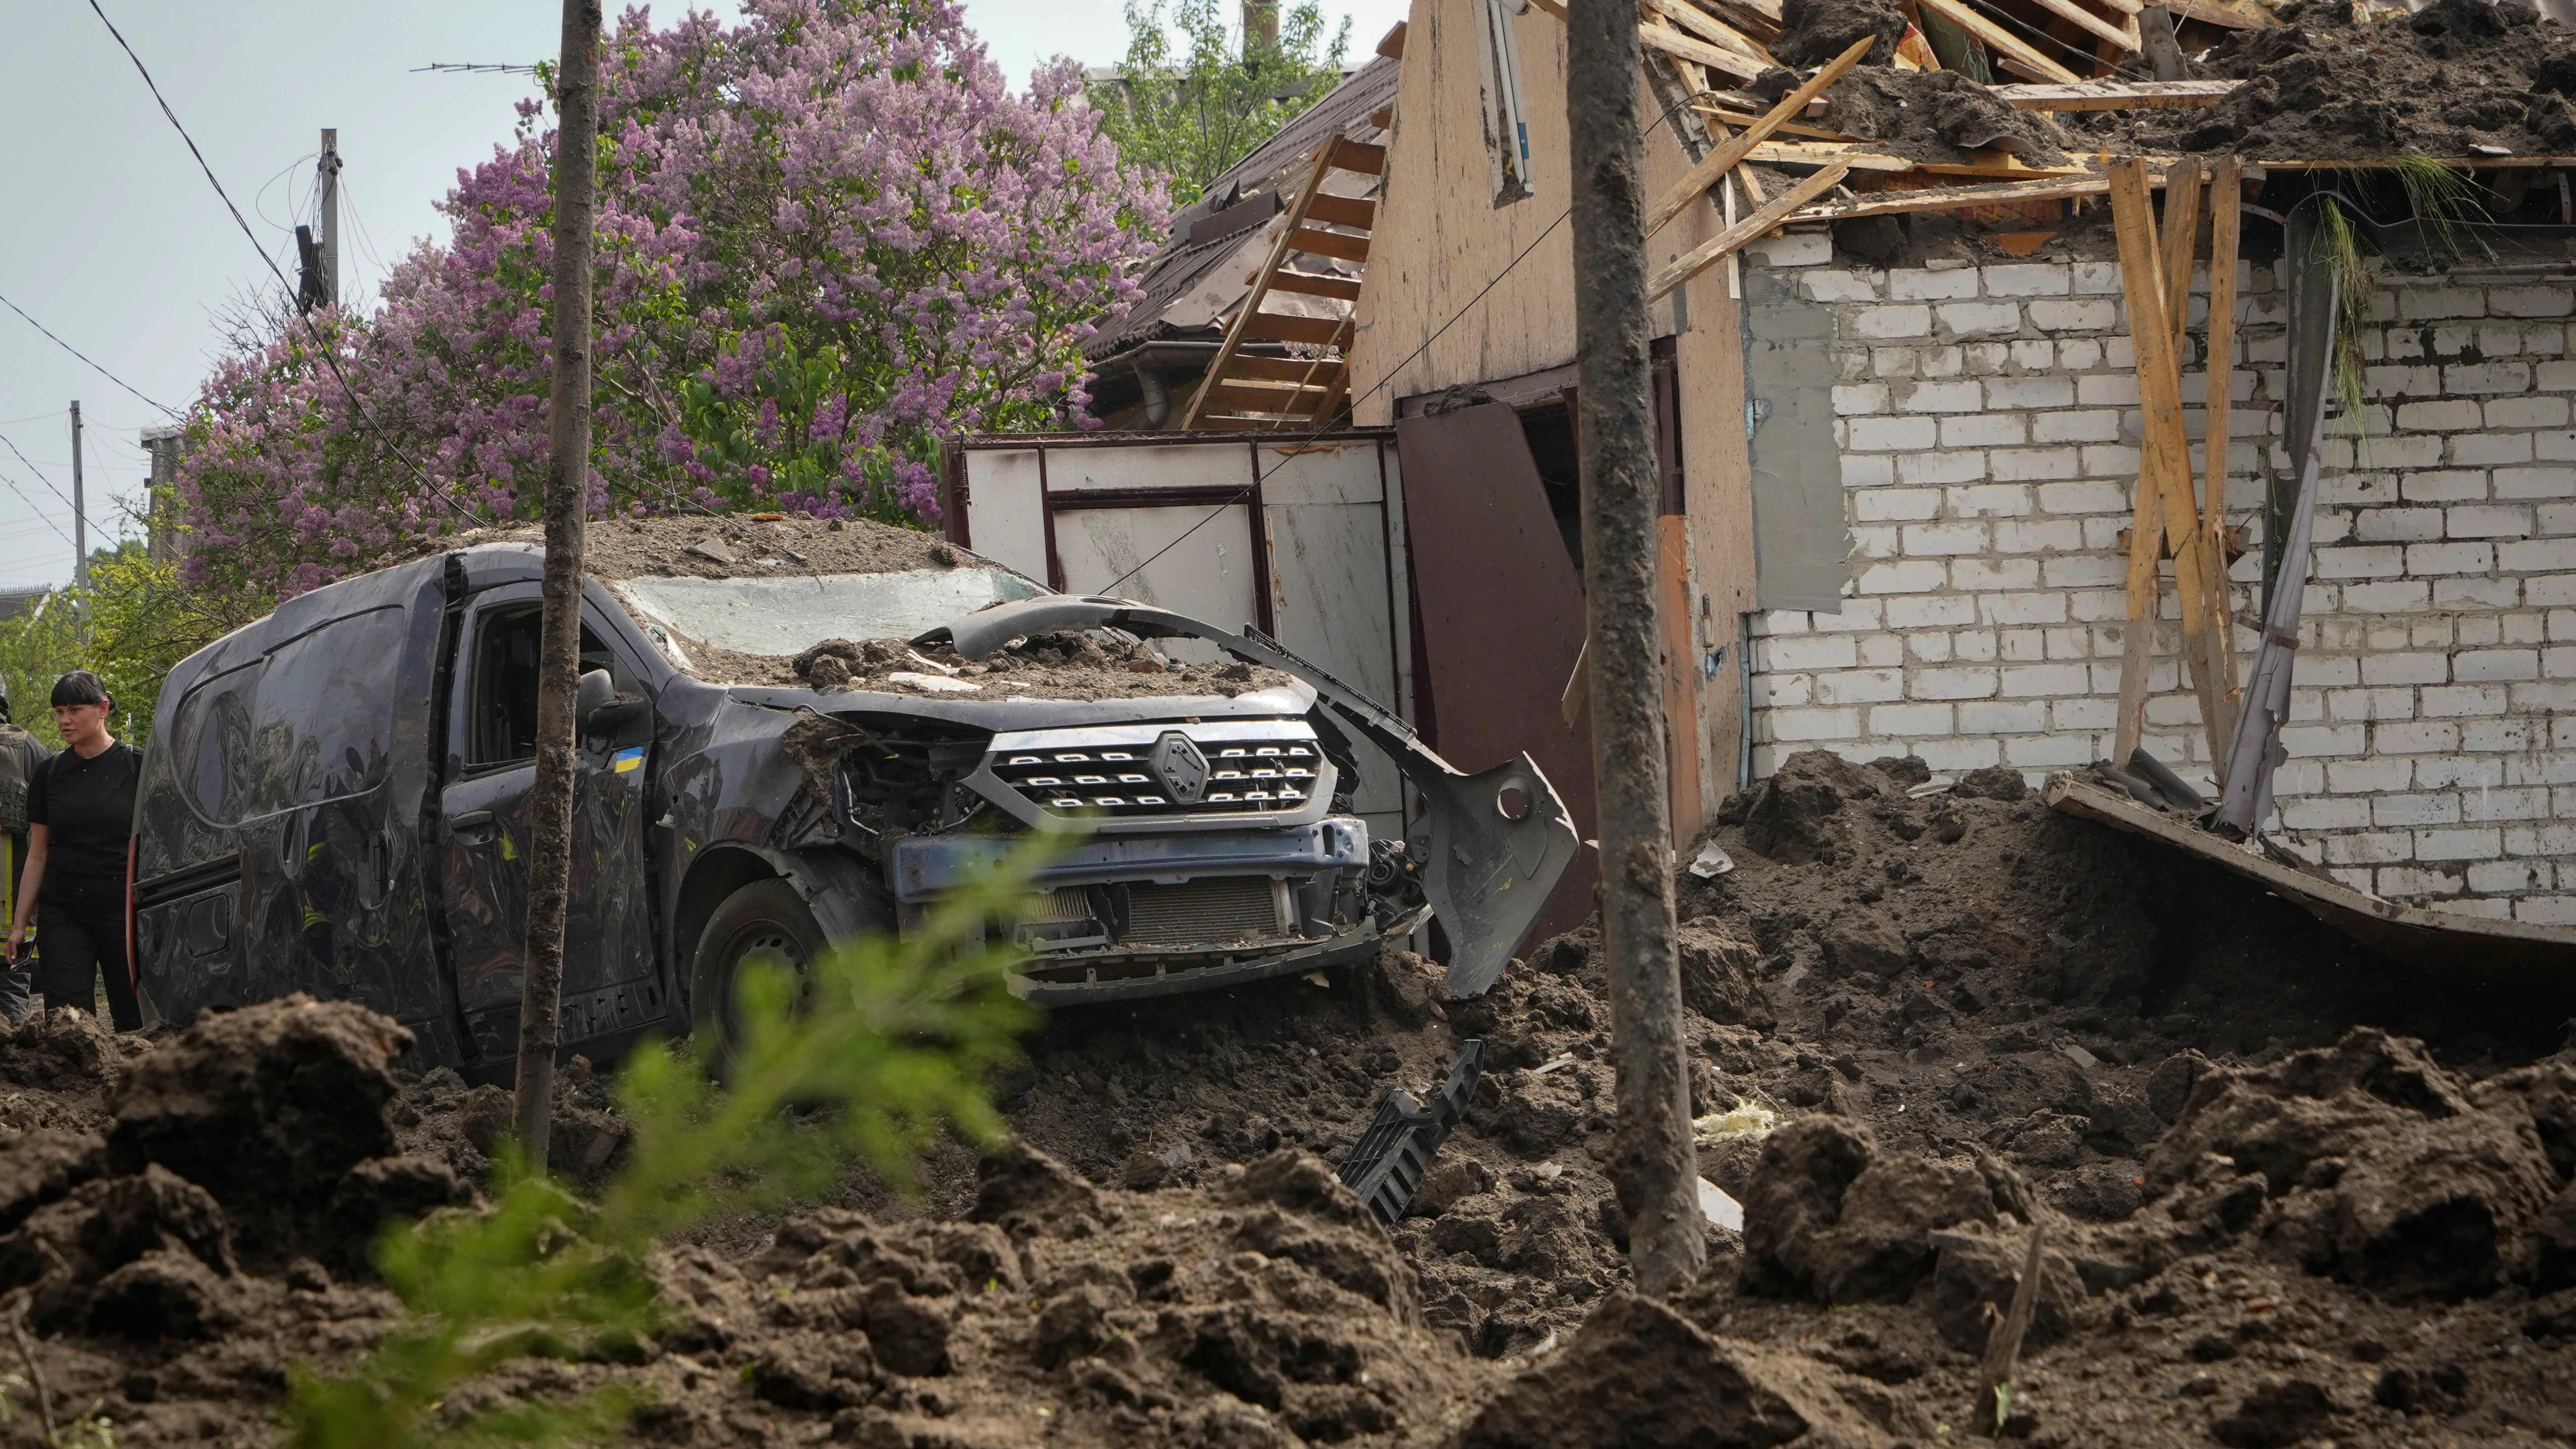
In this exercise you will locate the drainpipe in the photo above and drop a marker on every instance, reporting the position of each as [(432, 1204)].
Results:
[(1158, 398)]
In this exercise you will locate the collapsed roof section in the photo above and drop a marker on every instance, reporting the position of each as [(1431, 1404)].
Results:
[(1198, 282)]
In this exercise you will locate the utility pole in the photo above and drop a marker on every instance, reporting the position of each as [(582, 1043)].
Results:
[(1654, 1166), (329, 166), (80, 509), (567, 503)]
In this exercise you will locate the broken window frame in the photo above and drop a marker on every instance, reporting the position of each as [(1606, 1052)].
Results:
[(1506, 118)]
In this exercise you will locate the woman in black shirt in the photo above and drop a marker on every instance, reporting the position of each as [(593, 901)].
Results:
[(80, 818)]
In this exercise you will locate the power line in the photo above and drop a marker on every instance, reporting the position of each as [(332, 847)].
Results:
[(48, 482), (321, 349), (83, 356), (32, 508)]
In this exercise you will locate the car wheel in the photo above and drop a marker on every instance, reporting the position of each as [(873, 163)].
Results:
[(765, 921)]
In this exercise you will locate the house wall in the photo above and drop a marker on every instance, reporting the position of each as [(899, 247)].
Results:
[(1445, 303), (1987, 425)]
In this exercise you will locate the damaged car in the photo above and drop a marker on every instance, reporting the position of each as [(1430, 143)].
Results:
[(782, 747)]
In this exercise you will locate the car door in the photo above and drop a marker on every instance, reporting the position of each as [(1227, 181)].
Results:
[(487, 834)]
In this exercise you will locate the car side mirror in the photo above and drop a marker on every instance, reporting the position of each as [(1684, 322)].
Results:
[(596, 709)]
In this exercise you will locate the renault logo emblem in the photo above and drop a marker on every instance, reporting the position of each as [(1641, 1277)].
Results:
[(1181, 768)]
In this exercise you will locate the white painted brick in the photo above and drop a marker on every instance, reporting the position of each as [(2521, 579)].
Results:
[(2475, 665), (2092, 713), (1975, 645), (2030, 392), (2110, 460), (2371, 849), (2546, 910), (1896, 505), (2081, 354), (2556, 838), (1860, 686), (2072, 316), (2530, 301), (1989, 500), (1942, 539), (2495, 521), (2307, 741), (1987, 358), (2062, 535), (1857, 399), (2423, 559), (2447, 415), (1953, 682), (1856, 616), (2456, 700), (2534, 556), (1890, 322), (2369, 777), (1911, 576), (2085, 571), (2476, 593), (1873, 540), (2387, 525), (1813, 724), (1962, 467), (2507, 877), (2485, 449), (1937, 397), (2036, 464), (2553, 589), (1994, 573), (1910, 719), (2387, 810), (2462, 844), (1868, 470), (1983, 430), (2027, 279), (2534, 482), (1780, 691), (1808, 651), (2097, 277), (1876, 435), (2326, 814), (1827, 284), (2527, 412), (1912, 285), (2426, 303), (2441, 486), (1972, 753), (1993, 718), (2034, 356), (2397, 882), (2528, 803), (2028, 680), (2083, 498), (2021, 646), (1979, 319), (1794, 249), (2045, 752), (2091, 426), (2555, 518), (2486, 377), (2033, 608), (1933, 612), (2361, 563)]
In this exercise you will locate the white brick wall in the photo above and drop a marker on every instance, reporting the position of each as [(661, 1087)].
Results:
[(1989, 427)]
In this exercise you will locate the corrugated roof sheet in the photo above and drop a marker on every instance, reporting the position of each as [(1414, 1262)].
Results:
[(1179, 267)]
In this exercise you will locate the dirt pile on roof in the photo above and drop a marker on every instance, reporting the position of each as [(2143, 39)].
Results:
[(1054, 665), (729, 546), (2449, 80), (1934, 115)]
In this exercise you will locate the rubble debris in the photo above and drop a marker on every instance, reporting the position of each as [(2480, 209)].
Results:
[(713, 550), (1389, 1161), (1938, 115), (1042, 666)]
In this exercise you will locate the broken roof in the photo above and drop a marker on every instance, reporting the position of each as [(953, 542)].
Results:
[(1188, 291)]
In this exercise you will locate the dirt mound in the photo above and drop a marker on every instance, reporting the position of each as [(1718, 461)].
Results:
[(2371, 1163), (1042, 666), (1813, 32), (2454, 76), (727, 546), (1935, 115)]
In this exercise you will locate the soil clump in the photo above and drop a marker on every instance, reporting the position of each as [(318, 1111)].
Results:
[(728, 546)]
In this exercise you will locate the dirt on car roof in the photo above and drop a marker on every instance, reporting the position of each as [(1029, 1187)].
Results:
[(730, 546)]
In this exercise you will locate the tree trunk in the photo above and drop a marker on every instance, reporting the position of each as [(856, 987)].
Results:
[(567, 503), (1655, 1170)]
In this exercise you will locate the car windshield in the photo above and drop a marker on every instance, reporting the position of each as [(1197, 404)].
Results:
[(785, 616)]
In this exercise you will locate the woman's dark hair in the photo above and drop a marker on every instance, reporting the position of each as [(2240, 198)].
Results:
[(80, 687)]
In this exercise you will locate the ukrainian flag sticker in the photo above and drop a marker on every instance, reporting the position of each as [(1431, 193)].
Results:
[(629, 758)]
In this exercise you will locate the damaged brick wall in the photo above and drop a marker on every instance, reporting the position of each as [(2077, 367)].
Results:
[(1988, 425)]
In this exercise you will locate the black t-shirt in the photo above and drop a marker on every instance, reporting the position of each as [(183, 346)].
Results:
[(87, 809), (32, 756)]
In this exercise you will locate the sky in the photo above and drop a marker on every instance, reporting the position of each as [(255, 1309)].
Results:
[(112, 239)]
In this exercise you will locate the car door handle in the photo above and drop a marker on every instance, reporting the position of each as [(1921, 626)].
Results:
[(469, 820)]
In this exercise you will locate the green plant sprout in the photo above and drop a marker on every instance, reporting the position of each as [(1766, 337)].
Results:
[(868, 1057), (2442, 198)]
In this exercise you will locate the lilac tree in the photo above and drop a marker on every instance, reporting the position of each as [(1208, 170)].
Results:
[(826, 236)]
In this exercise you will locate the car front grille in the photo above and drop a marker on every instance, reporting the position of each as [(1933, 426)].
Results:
[(1204, 912), (1224, 768)]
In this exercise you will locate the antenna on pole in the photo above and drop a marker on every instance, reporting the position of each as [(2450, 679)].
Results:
[(451, 67)]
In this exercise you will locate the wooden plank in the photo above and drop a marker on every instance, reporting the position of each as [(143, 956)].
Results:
[(2070, 10), (2225, 216), (1314, 241), (2457, 163), (1726, 243), (1355, 211), (2009, 49), (1825, 153), (1709, 28), (1253, 397), (2145, 531), (1552, 7), (1989, 172), (1949, 198), (1722, 160), (1361, 157), (1383, 117), (1245, 318), (1717, 58), (1283, 369), (1391, 45), (1734, 117), (1272, 327), (2166, 456), (2116, 95), (1315, 284), (1681, 674), (2233, 14), (2178, 231)]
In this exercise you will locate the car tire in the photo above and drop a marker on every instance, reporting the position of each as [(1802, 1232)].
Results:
[(766, 919)]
